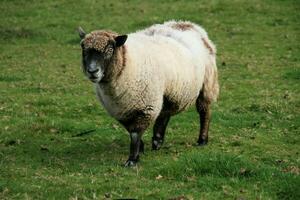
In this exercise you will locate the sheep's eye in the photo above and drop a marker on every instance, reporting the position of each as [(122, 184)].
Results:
[(108, 52)]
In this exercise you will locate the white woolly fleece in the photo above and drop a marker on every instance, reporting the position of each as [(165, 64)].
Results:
[(162, 61)]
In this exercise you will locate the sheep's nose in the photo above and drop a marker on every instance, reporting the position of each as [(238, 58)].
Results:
[(92, 71)]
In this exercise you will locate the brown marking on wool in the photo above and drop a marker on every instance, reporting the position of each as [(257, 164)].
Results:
[(206, 44), (182, 26)]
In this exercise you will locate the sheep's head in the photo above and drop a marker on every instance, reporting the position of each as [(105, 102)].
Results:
[(98, 50)]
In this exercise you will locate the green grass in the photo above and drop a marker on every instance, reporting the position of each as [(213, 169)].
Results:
[(45, 100)]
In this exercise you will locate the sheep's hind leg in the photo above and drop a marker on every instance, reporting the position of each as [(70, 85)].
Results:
[(203, 108), (159, 130)]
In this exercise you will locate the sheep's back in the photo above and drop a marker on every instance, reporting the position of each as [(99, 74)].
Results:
[(170, 68)]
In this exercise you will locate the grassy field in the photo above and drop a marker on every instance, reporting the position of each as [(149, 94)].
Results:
[(45, 101)]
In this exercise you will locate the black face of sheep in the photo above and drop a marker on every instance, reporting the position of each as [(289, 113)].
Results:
[(97, 53), (93, 64)]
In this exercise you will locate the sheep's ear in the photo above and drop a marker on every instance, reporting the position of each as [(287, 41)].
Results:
[(81, 32), (120, 40)]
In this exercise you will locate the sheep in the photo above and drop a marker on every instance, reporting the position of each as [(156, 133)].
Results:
[(150, 75)]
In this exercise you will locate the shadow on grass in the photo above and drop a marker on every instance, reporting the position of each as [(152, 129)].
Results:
[(10, 78), (10, 34), (61, 150)]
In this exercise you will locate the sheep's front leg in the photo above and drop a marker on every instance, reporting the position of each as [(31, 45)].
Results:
[(159, 130), (135, 123), (136, 146)]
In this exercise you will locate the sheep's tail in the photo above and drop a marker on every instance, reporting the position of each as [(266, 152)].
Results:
[(210, 85)]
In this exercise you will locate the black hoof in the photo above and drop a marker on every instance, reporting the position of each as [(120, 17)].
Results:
[(156, 144), (130, 163), (202, 142)]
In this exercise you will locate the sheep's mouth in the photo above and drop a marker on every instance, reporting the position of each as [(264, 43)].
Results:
[(95, 78)]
